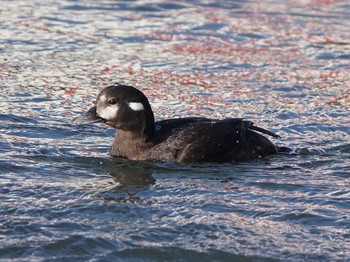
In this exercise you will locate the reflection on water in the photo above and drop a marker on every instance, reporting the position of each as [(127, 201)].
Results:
[(128, 180), (283, 65)]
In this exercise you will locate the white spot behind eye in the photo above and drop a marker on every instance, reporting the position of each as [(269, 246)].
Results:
[(136, 106), (108, 112)]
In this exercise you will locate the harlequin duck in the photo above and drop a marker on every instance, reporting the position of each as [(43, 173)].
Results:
[(186, 140)]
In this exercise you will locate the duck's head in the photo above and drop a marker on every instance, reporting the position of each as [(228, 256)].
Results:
[(122, 107)]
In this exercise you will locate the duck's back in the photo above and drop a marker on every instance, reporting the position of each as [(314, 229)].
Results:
[(204, 140)]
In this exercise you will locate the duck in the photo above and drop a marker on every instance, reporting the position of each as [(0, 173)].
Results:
[(181, 140)]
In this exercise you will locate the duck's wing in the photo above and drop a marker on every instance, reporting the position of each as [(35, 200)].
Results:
[(177, 122), (165, 128), (169, 125), (203, 141), (206, 141), (221, 141)]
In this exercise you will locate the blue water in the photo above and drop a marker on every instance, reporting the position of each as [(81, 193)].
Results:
[(283, 65)]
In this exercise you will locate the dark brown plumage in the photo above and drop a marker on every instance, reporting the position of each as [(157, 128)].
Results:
[(186, 140)]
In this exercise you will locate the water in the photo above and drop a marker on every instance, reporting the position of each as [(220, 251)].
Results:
[(284, 65)]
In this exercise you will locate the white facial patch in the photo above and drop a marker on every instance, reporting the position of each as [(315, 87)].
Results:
[(108, 112), (136, 106), (103, 98)]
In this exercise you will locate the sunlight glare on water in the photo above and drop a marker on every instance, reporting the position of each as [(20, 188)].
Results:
[(282, 64)]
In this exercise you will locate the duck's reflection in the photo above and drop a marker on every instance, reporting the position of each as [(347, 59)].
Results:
[(129, 179)]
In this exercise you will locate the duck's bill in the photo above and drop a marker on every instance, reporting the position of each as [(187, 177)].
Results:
[(88, 118)]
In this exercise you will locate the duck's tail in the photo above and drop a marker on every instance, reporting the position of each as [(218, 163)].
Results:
[(262, 130), (284, 150)]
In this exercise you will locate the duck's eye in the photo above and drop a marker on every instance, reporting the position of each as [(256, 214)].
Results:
[(112, 101)]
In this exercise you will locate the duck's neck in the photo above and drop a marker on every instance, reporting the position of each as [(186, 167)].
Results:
[(129, 145), (148, 129)]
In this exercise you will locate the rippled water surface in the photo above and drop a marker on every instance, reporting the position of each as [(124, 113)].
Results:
[(282, 64)]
